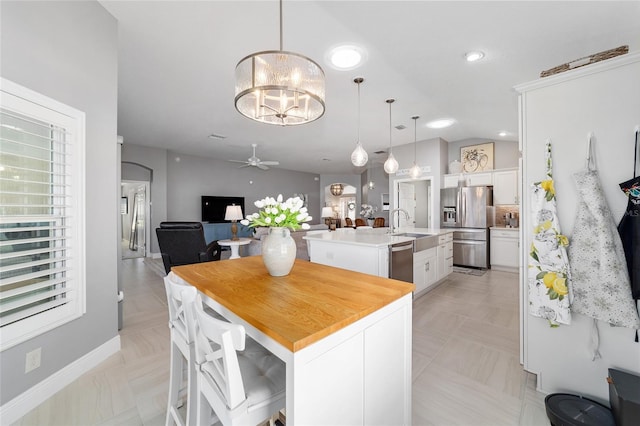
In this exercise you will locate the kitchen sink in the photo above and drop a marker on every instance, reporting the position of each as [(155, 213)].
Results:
[(422, 242)]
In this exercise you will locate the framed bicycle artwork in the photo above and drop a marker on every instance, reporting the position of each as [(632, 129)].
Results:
[(477, 158)]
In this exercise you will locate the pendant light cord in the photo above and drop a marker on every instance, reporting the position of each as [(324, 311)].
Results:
[(390, 145), (281, 25), (359, 112)]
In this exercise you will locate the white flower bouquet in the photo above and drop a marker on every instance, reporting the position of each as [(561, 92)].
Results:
[(368, 211), (275, 212)]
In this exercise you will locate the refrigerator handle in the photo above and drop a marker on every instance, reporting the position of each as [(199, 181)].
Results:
[(463, 208)]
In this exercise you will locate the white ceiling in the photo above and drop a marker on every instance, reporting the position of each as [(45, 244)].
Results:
[(177, 62)]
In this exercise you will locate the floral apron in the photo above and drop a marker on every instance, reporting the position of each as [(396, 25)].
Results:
[(550, 292), (599, 274)]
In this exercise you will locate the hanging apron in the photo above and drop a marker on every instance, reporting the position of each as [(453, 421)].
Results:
[(629, 228), (550, 292), (599, 275)]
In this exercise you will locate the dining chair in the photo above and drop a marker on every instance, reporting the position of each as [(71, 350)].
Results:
[(182, 353), (241, 384), (348, 221), (360, 222), (378, 222)]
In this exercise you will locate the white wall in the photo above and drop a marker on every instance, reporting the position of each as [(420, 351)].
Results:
[(565, 108), (68, 52)]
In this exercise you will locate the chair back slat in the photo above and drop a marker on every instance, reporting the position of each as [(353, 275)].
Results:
[(216, 343)]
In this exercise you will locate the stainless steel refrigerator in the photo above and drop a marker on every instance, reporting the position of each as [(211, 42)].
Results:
[(470, 210)]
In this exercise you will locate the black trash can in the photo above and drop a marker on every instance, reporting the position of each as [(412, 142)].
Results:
[(624, 397), (565, 409)]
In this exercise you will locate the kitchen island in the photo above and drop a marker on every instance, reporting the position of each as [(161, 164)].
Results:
[(345, 337), (367, 251)]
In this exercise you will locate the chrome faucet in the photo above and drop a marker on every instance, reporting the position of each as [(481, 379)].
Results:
[(406, 216)]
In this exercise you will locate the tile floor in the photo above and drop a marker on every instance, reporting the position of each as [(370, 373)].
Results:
[(465, 359)]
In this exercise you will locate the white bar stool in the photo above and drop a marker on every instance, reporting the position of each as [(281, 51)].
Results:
[(242, 385), (182, 353)]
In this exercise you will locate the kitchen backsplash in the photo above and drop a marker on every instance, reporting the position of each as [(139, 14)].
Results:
[(504, 210)]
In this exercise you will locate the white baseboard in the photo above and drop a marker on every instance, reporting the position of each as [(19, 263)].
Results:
[(15, 409)]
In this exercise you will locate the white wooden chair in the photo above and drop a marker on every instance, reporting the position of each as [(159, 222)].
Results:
[(182, 353), (243, 386)]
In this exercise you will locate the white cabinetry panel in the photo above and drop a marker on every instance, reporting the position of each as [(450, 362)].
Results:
[(505, 187)]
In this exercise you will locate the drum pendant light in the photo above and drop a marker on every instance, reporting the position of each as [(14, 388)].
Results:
[(391, 165), (415, 171), (359, 156), (279, 87)]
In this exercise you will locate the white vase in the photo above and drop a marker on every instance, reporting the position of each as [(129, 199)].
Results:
[(455, 167), (278, 251)]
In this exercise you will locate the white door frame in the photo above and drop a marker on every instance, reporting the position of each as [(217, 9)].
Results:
[(396, 191)]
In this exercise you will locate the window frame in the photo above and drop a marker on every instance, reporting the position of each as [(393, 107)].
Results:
[(24, 101)]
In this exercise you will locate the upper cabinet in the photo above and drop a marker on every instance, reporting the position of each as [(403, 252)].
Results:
[(504, 182), (505, 187)]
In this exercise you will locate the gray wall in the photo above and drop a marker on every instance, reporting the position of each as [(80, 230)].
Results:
[(179, 180), (68, 51), (429, 153), (505, 153)]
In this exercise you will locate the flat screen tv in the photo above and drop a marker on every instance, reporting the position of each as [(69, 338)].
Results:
[(214, 207)]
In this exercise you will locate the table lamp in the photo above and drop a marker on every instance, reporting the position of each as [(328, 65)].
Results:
[(234, 214), (327, 214)]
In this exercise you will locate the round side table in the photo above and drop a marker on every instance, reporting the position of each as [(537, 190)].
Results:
[(235, 245)]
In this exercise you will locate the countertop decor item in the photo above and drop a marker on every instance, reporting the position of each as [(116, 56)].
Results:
[(368, 211), (455, 167), (278, 248), (278, 251)]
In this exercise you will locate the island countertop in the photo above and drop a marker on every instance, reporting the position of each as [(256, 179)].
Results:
[(376, 237), (296, 310)]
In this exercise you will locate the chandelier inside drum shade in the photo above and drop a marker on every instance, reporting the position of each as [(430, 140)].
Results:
[(279, 87), (336, 189)]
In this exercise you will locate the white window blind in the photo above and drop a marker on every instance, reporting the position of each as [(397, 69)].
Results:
[(42, 280)]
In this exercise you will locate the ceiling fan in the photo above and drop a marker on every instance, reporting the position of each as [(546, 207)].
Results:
[(255, 161)]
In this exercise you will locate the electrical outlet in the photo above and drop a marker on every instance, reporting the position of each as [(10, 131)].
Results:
[(32, 360)]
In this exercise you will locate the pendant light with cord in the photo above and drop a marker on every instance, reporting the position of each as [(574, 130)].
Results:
[(415, 171), (359, 156), (391, 165), (280, 87)]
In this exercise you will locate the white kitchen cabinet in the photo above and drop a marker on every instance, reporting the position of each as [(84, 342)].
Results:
[(479, 179), (425, 269), (505, 187), (468, 179), (445, 255), (505, 249), (451, 181)]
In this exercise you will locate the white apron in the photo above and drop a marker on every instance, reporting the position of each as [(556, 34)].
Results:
[(599, 275), (549, 276)]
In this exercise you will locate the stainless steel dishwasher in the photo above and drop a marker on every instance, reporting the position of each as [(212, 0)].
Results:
[(401, 261)]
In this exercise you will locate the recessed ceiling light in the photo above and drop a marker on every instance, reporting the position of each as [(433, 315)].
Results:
[(346, 57), (474, 56), (503, 133), (441, 123)]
